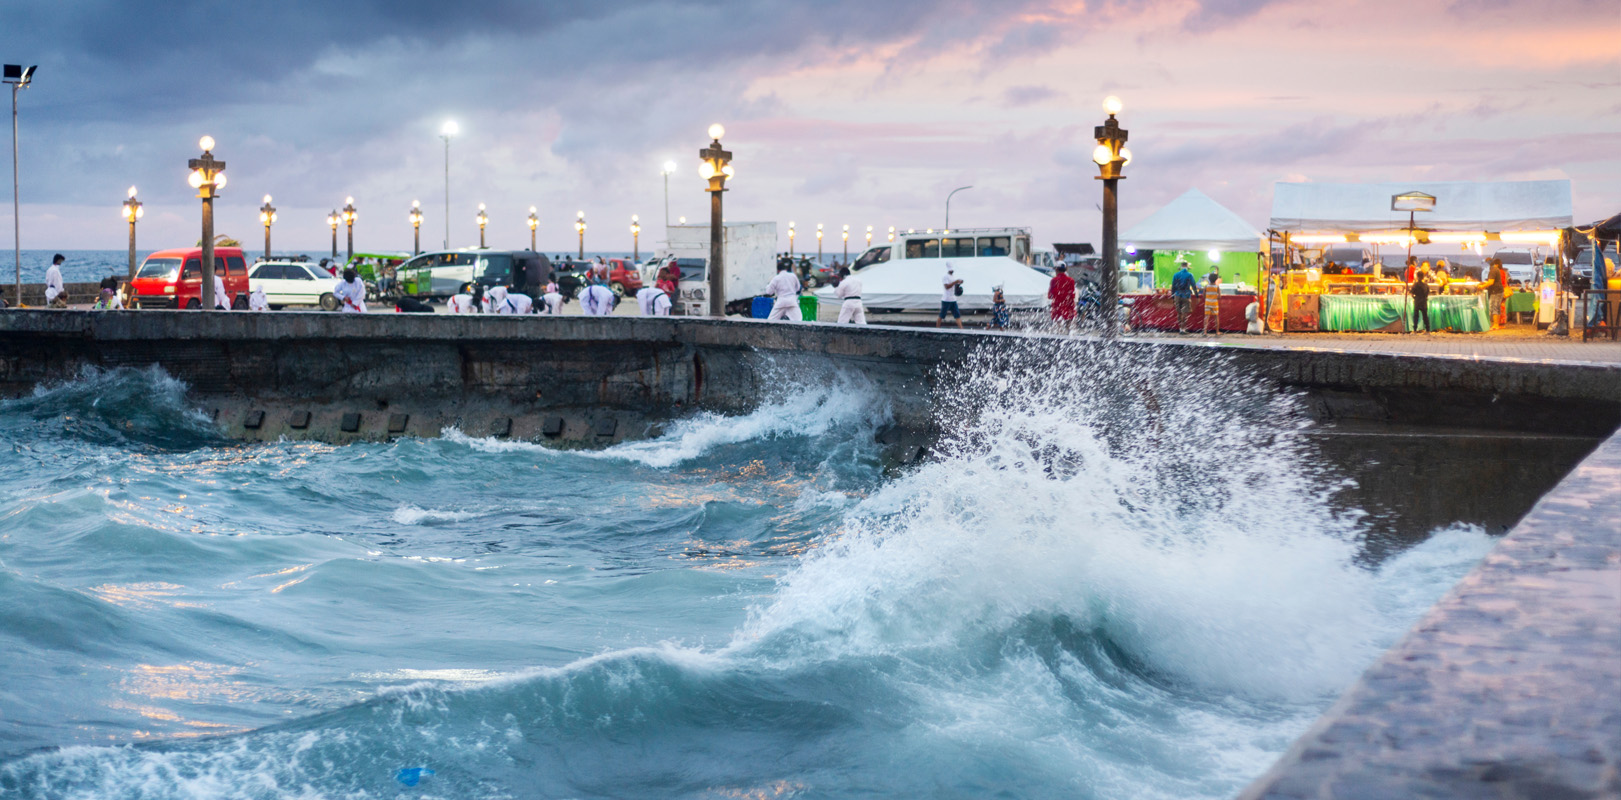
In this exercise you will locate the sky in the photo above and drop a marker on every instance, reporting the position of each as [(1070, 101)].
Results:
[(858, 112)]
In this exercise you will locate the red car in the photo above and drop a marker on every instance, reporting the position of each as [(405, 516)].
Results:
[(173, 278), (623, 277)]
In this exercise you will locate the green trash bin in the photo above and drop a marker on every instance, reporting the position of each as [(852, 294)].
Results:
[(807, 306)]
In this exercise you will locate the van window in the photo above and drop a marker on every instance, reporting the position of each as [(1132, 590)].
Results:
[(297, 272), (922, 248), (957, 248), (994, 245), (159, 268), (268, 272), (194, 269), (234, 265), (495, 267), (877, 255)]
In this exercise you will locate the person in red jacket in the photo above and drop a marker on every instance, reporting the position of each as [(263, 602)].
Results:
[(1061, 296)]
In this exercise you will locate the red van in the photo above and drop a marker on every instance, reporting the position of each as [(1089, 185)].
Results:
[(174, 278)]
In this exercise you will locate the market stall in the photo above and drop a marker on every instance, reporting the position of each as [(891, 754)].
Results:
[(1305, 294), (1210, 238)]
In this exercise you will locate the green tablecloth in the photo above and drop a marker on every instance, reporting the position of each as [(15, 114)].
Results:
[(1347, 312)]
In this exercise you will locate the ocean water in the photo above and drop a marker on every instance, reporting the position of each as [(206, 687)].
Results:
[(1080, 593)]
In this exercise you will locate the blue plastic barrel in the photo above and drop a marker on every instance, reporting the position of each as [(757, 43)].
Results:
[(761, 308)]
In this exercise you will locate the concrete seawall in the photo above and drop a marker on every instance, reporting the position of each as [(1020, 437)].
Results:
[(513, 375)]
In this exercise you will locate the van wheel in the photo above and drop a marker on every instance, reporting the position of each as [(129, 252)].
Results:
[(619, 288), (193, 304), (329, 302), (240, 303)]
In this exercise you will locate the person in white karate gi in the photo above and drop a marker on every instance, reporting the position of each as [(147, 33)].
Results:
[(257, 300), (553, 299), (462, 302), (597, 300), (849, 293), (785, 288), (222, 301), (351, 293), (494, 298), (516, 303), (56, 293)]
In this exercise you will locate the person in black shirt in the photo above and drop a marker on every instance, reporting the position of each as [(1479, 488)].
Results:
[(1421, 302)]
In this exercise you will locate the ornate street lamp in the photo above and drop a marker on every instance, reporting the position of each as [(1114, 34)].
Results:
[(349, 221), (1111, 156), (333, 219), (790, 239), (208, 178), (579, 227), (534, 222), (132, 211), (267, 215), (483, 219), (635, 238), (869, 236), (450, 129), (716, 168), (669, 167), (847, 243), (818, 242), (416, 227)]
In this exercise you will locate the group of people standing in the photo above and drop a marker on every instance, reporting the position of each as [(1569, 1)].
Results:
[(1423, 280)]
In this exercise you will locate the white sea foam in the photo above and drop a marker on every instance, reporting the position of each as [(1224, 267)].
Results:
[(412, 515)]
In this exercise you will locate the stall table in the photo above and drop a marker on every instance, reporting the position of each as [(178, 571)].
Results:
[(1464, 313)]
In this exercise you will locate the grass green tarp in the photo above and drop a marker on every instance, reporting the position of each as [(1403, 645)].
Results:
[(1461, 313)]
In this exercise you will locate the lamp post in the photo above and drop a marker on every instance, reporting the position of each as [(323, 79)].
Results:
[(869, 237), (669, 167), (19, 78), (579, 227), (208, 178), (333, 219), (892, 233), (635, 238), (267, 215), (1111, 156), (534, 222), (948, 204), (847, 243), (818, 242), (416, 227), (349, 222), (132, 212), (790, 239), (483, 219), (716, 168), (450, 129)]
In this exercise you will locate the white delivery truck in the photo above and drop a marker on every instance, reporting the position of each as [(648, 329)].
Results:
[(751, 261)]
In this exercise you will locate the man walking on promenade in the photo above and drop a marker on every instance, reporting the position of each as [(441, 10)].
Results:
[(785, 288), (56, 295), (1182, 286), (948, 299), (1212, 304)]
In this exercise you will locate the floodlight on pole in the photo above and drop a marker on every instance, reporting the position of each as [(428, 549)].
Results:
[(19, 79)]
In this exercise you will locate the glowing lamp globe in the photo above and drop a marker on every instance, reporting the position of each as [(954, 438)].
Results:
[(716, 131), (1112, 105)]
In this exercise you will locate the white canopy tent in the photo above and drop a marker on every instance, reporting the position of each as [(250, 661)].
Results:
[(916, 284), (1194, 222), (1459, 206)]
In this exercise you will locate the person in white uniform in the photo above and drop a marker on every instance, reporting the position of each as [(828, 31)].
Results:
[(516, 303), (257, 300), (553, 299), (849, 291), (56, 293), (222, 301), (785, 288), (494, 298), (644, 299), (597, 300), (462, 302), (351, 293)]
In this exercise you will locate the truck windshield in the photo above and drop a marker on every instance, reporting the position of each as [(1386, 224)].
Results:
[(159, 268), (495, 267)]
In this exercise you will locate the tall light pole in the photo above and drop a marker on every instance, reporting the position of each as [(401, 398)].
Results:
[(948, 204), (635, 238), (669, 167), (846, 242), (349, 221), (333, 219), (579, 227), (450, 129), (716, 168), (267, 215), (208, 178), (132, 211), (790, 239), (818, 242), (19, 78), (1111, 156), (483, 219), (534, 222), (416, 227)]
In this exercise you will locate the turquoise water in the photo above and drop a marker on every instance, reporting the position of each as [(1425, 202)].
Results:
[(1068, 599)]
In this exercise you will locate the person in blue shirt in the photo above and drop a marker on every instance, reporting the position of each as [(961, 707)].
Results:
[(1182, 286)]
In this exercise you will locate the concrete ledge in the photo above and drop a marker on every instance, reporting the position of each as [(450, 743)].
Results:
[(1509, 688)]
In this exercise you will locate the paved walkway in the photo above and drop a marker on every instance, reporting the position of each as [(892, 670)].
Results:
[(1509, 343)]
